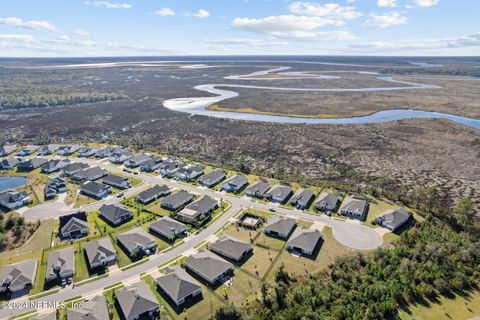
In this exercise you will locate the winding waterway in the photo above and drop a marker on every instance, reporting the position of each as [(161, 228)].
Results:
[(199, 105)]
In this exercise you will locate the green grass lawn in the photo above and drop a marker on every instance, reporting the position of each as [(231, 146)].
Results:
[(457, 307), (329, 251), (122, 258), (242, 286), (139, 218), (377, 208), (111, 304), (155, 208), (240, 233)]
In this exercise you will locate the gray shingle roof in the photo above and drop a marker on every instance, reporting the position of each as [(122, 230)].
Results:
[(113, 212), (395, 218), (114, 179), (60, 261), (208, 265), (302, 197), (352, 204), (18, 274), (327, 200), (204, 204), (177, 199), (166, 225), (73, 222), (94, 187), (280, 192), (259, 188), (213, 177), (153, 192), (94, 309), (136, 299), (178, 284), (73, 167), (135, 238), (283, 225), (305, 239), (91, 173), (99, 250), (230, 247)]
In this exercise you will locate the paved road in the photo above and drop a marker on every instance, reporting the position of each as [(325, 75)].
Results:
[(350, 234)]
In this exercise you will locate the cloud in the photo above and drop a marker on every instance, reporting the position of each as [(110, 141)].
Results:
[(392, 18), (417, 44), (109, 5), (201, 14), (330, 10), (426, 3), (17, 37), (292, 27), (245, 41), (164, 12), (80, 33), (387, 3), (32, 24)]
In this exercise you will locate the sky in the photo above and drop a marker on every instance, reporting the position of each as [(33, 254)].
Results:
[(75, 28)]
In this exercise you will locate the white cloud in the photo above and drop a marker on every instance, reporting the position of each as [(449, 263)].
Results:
[(330, 10), (293, 27), (17, 37), (245, 41), (426, 3), (80, 33), (164, 12), (201, 14), (387, 3), (392, 18), (109, 5), (32, 24)]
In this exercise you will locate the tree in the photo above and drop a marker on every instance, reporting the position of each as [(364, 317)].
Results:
[(465, 213), (229, 312)]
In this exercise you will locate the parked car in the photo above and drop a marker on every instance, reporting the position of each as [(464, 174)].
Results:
[(272, 210)]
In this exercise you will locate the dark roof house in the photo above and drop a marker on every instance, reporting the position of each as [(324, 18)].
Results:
[(95, 190), (279, 193), (137, 241), (198, 210), (14, 200), (304, 240), (116, 181), (89, 174), (327, 202), (178, 285), (280, 226), (231, 248), (74, 226), (100, 253), (137, 302), (212, 178), (208, 266), (235, 184), (258, 189), (176, 200), (7, 150), (94, 309), (19, 276), (32, 164), (393, 220), (167, 227), (302, 198), (354, 207), (60, 264), (115, 214), (153, 194)]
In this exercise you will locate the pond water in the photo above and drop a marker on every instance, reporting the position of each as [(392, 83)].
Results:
[(12, 183)]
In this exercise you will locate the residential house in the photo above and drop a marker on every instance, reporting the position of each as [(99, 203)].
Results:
[(151, 165), (14, 200), (304, 241), (170, 166), (55, 187), (189, 173), (354, 207), (208, 266), (257, 190), (231, 248), (18, 277), (167, 227), (28, 150), (68, 150), (178, 285), (137, 302), (49, 149), (137, 241), (120, 156), (137, 161), (73, 168), (93, 309), (89, 174), (327, 202), (114, 214), (176, 200), (32, 164), (198, 210), (153, 194), (95, 190), (100, 253), (86, 152), (106, 152), (302, 198), (212, 178), (60, 264), (280, 227), (55, 165), (116, 181), (7, 150), (74, 226), (393, 219), (279, 194), (9, 163), (235, 184)]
